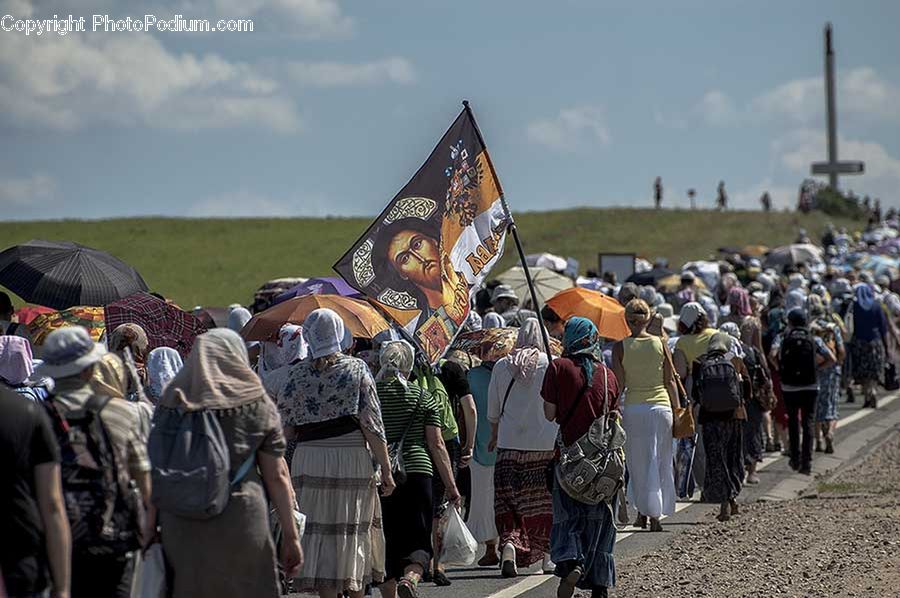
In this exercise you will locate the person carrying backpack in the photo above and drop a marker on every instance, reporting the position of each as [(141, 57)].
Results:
[(103, 464), (721, 388), (799, 355)]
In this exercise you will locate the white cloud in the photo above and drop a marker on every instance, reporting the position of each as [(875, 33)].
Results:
[(798, 149), (718, 109), (76, 81), (572, 129), (339, 74), (861, 92), (670, 121), (248, 204), (18, 193)]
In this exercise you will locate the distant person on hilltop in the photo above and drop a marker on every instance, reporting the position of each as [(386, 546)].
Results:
[(766, 202), (658, 192), (721, 197), (692, 194)]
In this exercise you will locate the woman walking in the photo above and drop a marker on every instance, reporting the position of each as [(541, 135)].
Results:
[(722, 429), (16, 367), (868, 343), (412, 418), (481, 521), (232, 555), (829, 378), (330, 406), (524, 440), (645, 372), (577, 390), (163, 364)]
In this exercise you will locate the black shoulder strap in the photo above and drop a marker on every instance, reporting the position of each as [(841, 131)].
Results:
[(506, 396), (12, 329), (415, 412)]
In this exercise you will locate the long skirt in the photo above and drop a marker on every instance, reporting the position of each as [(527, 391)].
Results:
[(829, 394), (723, 443), (522, 504), (407, 525), (343, 546), (684, 467), (481, 521), (868, 361), (649, 458), (583, 535), (753, 433)]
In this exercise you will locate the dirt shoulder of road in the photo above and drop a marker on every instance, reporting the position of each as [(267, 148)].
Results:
[(841, 539)]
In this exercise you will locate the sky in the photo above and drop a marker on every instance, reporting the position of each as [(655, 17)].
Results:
[(329, 106)]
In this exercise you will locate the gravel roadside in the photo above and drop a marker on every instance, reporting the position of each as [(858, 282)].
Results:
[(841, 539)]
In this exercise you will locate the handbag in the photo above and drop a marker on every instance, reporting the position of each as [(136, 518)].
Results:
[(395, 449), (683, 425)]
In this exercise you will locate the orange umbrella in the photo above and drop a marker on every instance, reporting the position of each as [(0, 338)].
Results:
[(362, 319), (604, 311)]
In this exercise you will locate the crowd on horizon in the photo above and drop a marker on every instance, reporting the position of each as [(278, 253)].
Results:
[(739, 361)]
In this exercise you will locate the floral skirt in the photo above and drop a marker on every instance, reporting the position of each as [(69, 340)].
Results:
[(829, 394), (723, 443), (868, 361)]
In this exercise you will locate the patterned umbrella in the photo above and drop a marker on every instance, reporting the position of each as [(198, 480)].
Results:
[(165, 324), (361, 318), (27, 314), (89, 318), (63, 274), (493, 344)]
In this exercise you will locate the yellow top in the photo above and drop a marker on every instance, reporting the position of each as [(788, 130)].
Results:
[(694, 345), (642, 359)]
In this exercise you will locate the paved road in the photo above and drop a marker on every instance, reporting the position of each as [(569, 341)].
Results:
[(857, 430)]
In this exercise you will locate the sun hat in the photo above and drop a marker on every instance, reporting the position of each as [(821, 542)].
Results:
[(68, 352), (690, 313), (503, 291)]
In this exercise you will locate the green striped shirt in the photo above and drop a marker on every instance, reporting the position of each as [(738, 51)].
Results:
[(397, 407)]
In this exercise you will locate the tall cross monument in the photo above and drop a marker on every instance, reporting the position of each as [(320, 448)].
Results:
[(833, 167)]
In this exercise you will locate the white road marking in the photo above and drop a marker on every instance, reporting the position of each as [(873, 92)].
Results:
[(534, 581)]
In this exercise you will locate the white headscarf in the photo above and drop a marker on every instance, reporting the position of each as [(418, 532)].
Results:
[(525, 358), (276, 358), (163, 363), (397, 359), (238, 317), (324, 332)]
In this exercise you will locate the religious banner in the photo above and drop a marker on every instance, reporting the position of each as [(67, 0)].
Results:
[(435, 242)]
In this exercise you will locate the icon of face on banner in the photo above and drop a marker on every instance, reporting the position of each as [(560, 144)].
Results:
[(434, 243)]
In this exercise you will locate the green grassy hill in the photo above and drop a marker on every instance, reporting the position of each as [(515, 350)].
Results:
[(217, 262)]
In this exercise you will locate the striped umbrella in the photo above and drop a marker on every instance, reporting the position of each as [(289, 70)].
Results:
[(89, 318), (64, 274)]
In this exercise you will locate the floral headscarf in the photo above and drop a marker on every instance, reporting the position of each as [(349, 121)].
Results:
[(133, 338), (525, 358), (739, 302), (163, 364), (581, 344)]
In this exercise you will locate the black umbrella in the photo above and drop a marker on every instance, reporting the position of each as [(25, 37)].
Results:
[(64, 274), (650, 277)]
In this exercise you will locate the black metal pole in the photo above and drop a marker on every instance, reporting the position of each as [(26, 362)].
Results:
[(514, 231)]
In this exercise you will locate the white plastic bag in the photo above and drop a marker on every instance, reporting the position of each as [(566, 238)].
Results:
[(153, 574), (458, 546)]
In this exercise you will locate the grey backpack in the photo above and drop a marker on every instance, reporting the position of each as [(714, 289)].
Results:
[(592, 469), (190, 463)]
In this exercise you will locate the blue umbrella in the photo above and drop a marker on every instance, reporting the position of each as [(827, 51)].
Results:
[(319, 286)]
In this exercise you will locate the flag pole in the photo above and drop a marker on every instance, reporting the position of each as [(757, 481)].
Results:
[(512, 229)]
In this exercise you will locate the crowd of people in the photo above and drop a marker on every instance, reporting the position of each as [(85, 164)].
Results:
[(374, 446)]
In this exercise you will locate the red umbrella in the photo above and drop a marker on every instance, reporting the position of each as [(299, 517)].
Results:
[(166, 324)]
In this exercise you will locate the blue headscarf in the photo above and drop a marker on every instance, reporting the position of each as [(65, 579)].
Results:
[(865, 297), (581, 344)]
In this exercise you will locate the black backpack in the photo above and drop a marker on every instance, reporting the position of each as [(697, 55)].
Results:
[(718, 383), (798, 358), (104, 516)]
